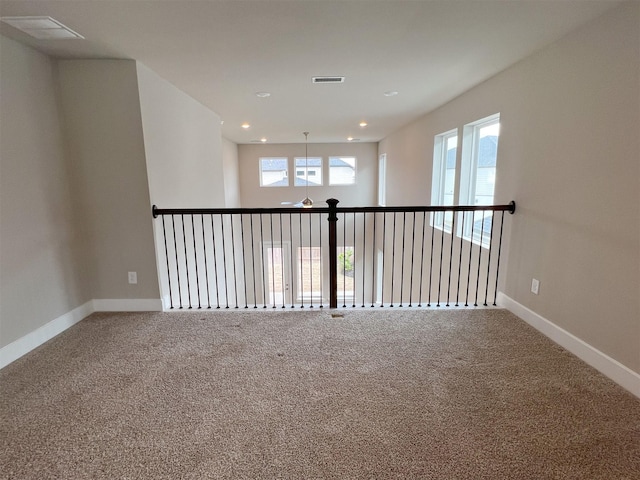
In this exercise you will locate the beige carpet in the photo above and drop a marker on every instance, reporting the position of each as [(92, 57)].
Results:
[(378, 394)]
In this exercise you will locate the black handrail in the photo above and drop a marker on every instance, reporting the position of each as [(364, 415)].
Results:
[(510, 207)]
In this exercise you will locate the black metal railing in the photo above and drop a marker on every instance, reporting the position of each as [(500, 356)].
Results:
[(330, 256)]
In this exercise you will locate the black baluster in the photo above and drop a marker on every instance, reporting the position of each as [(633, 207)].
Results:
[(374, 262), (282, 262), (253, 263), (495, 293), (424, 224), (264, 263), (186, 260), (453, 229), (433, 229), (441, 256), (393, 257), (321, 265), (475, 303), (354, 261), (344, 258), (300, 264), (460, 263), (466, 300), (384, 254), (310, 265), (486, 287), (244, 263), (404, 231), (364, 251), (273, 262), (215, 264), (291, 258), (413, 246), (233, 257), (166, 253), (206, 268), (195, 257), (175, 249), (224, 262)]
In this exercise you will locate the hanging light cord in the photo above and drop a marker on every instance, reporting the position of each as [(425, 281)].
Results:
[(307, 202)]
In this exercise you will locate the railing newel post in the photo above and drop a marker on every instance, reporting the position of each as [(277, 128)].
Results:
[(333, 252)]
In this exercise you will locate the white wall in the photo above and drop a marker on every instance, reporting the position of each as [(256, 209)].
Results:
[(182, 144), (364, 193), (42, 275), (103, 124), (569, 155), (231, 172)]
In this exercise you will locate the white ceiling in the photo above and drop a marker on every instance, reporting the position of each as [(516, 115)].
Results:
[(223, 52)]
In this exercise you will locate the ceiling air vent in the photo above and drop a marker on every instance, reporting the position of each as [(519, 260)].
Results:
[(42, 28), (327, 79)]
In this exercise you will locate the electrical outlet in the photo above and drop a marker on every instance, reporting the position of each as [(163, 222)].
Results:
[(133, 277), (535, 286)]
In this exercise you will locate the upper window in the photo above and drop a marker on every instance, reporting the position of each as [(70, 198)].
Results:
[(477, 168), (478, 175), (273, 172), (342, 170), (308, 171), (444, 175)]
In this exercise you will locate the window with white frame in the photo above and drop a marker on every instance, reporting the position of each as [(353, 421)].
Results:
[(342, 170), (274, 171), (308, 171), (444, 176), (476, 165)]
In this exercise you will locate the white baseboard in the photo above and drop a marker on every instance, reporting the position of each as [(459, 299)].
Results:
[(30, 341), (11, 352), (127, 305), (619, 373), (166, 303)]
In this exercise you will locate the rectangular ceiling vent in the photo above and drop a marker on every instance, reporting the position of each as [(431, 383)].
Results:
[(42, 28), (327, 79)]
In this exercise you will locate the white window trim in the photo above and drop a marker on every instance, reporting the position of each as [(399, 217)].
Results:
[(296, 166), (286, 172), (465, 182), (439, 175), (468, 178)]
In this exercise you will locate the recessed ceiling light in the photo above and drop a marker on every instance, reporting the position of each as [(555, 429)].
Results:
[(263, 94), (351, 139), (363, 124), (42, 28), (390, 93), (245, 125), (263, 139)]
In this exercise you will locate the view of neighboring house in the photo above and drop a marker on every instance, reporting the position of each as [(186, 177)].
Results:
[(274, 172)]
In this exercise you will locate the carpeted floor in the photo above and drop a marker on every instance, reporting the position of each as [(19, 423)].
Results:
[(378, 394)]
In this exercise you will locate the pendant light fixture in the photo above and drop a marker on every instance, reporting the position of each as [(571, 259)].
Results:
[(307, 202)]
